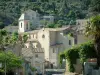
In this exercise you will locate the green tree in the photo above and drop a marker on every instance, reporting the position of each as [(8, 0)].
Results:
[(95, 6), (83, 52), (71, 15), (60, 22), (93, 29), (50, 26), (1, 25), (12, 61), (7, 39)]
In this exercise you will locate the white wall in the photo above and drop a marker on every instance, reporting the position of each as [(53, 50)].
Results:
[(21, 29), (45, 42)]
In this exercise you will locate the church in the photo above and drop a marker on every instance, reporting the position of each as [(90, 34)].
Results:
[(45, 44)]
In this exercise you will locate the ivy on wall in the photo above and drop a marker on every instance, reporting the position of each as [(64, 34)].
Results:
[(82, 52)]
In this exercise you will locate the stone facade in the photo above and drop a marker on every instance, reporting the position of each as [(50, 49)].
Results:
[(52, 40)]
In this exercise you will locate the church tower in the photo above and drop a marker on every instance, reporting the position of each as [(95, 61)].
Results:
[(28, 20), (24, 24)]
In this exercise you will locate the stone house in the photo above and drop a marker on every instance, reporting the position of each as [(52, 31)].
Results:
[(49, 41)]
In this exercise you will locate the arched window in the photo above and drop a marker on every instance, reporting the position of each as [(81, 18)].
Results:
[(21, 25), (69, 42), (43, 36)]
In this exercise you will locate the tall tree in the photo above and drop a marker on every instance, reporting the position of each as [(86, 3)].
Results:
[(64, 9), (7, 39), (93, 29), (95, 6), (12, 61)]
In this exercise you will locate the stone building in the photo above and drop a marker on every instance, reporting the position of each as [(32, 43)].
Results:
[(46, 43)]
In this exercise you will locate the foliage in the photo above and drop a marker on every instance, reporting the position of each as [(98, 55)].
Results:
[(50, 26), (7, 39), (25, 37), (33, 69), (60, 22), (1, 25), (93, 26), (3, 39), (61, 57), (95, 6), (12, 61), (62, 9), (82, 52), (71, 35), (93, 29), (54, 25), (71, 67), (87, 51)]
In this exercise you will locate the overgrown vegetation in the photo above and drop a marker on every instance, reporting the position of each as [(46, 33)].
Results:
[(82, 52)]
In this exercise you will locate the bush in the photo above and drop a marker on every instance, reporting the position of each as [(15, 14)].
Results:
[(82, 52)]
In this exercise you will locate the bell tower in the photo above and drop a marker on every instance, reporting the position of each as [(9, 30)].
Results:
[(24, 24)]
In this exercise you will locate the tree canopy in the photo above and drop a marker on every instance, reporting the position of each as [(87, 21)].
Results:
[(7, 39), (12, 61), (65, 10), (93, 29), (95, 6)]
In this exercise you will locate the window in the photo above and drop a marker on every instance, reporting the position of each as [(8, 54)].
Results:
[(33, 35), (21, 25), (36, 45), (36, 55), (78, 23), (69, 42), (43, 36), (27, 26), (53, 50), (75, 40)]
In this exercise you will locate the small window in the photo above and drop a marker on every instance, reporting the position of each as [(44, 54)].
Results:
[(53, 50), (75, 41), (78, 23), (27, 26), (69, 42), (26, 46), (33, 35), (21, 25), (43, 36), (36, 55), (36, 45)]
